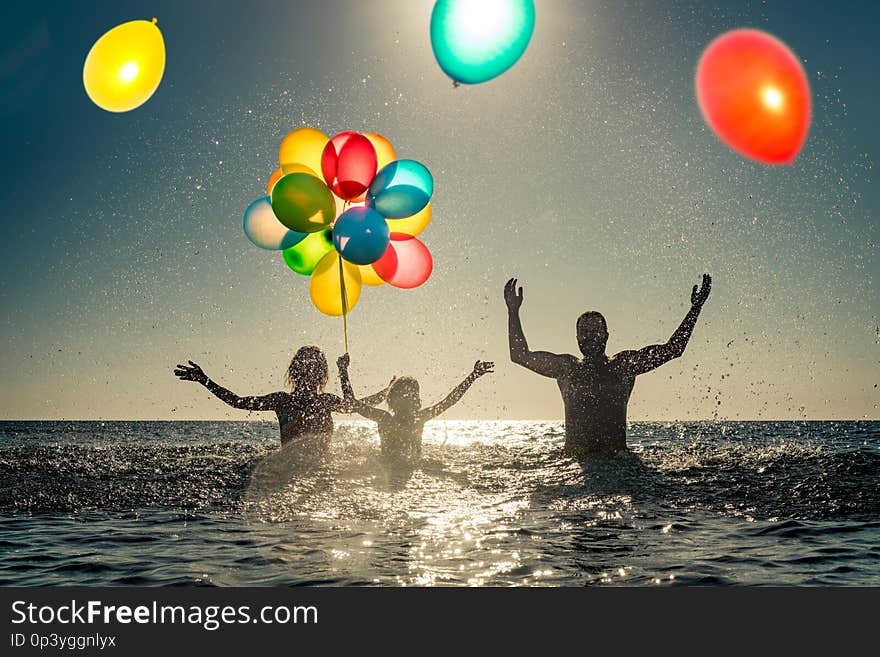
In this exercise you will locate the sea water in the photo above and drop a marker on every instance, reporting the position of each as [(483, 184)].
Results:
[(492, 503)]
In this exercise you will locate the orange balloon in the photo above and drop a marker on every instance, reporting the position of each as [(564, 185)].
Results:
[(277, 175), (753, 92), (384, 150)]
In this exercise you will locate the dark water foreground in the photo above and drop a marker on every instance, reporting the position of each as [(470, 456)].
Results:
[(183, 503)]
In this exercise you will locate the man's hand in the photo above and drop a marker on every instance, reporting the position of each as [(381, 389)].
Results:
[(513, 297), (343, 362), (192, 373), (482, 367), (699, 295)]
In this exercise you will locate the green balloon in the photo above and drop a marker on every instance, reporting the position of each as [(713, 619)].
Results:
[(477, 40), (303, 203), (305, 256)]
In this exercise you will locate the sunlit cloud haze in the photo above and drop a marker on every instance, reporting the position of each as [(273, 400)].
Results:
[(586, 171)]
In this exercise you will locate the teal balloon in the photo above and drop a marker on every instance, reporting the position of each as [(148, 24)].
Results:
[(477, 40), (264, 230), (361, 235), (400, 189)]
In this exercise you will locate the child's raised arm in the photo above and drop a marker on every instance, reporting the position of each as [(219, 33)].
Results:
[(362, 407), (481, 367), (377, 397)]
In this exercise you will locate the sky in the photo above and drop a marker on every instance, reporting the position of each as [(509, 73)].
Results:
[(586, 171)]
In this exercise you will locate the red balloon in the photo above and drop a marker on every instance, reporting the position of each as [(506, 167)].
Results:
[(407, 263), (754, 94), (349, 164)]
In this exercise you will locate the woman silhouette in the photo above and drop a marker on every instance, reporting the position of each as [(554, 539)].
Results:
[(304, 412)]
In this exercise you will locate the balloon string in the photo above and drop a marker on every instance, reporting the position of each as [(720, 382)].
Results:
[(344, 305), (343, 295)]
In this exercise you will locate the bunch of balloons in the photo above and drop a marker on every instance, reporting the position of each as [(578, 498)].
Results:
[(354, 223), (754, 94), (477, 40), (125, 66)]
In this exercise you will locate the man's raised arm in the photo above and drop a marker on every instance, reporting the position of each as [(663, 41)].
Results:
[(655, 355), (541, 362)]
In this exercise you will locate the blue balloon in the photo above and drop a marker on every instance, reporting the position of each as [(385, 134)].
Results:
[(361, 235), (477, 40), (401, 189), (265, 231)]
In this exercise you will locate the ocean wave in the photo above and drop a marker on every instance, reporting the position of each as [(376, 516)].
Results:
[(764, 470)]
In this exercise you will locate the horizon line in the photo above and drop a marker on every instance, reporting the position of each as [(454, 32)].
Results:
[(557, 420)]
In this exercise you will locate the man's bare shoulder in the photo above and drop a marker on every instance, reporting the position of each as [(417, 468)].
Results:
[(623, 361), (568, 362)]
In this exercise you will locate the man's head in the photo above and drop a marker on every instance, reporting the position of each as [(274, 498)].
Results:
[(592, 334)]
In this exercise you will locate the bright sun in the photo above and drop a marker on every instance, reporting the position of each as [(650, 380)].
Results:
[(128, 71), (772, 98)]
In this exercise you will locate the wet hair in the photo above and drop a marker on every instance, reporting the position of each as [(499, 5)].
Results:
[(404, 386), (308, 367)]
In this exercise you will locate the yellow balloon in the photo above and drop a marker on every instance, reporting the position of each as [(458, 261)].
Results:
[(369, 276), (125, 66), (325, 286), (296, 167), (412, 225), (303, 146), (384, 150)]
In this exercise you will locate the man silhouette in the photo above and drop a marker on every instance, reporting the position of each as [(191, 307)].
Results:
[(596, 389)]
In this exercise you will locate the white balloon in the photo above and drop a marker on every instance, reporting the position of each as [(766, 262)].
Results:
[(263, 228)]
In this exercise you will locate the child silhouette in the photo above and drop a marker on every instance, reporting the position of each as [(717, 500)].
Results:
[(400, 431)]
